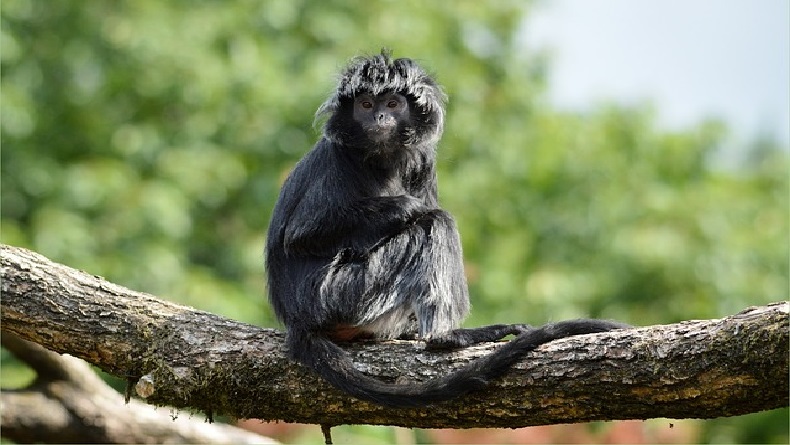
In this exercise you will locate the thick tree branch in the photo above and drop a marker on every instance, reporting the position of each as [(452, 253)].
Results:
[(69, 403), (193, 359)]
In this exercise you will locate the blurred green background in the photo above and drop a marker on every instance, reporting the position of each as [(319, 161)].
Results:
[(146, 141)]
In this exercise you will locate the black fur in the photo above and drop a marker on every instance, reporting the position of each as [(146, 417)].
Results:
[(358, 246)]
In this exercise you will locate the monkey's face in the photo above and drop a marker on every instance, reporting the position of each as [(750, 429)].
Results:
[(382, 118), (384, 108)]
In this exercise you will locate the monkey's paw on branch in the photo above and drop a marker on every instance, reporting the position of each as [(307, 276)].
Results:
[(200, 361)]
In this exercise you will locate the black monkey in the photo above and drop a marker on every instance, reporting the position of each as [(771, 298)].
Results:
[(358, 246)]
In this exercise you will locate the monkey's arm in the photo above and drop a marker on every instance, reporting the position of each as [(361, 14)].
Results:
[(326, 228)]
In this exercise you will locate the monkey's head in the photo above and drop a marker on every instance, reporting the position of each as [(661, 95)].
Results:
[(383, 105)]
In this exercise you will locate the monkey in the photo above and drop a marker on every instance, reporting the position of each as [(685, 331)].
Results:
[(359, 248)]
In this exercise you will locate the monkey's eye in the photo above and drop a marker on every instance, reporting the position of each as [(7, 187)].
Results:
[(366, 104), (392, 104)]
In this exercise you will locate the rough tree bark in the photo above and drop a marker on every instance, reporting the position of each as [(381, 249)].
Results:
[(69, 403), (186, 358)]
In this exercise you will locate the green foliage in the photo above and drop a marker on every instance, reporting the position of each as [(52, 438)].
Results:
[(146, 141)]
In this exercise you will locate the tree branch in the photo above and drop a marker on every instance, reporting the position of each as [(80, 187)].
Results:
[(192, 359), (69, 403)]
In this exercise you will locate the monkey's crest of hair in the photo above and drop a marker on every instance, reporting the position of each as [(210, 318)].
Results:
[(381, 74)]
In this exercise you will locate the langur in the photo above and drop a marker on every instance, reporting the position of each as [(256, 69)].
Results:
[(358, 247)]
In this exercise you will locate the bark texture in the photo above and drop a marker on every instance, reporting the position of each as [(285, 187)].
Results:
[(69, 403), (185, 358)]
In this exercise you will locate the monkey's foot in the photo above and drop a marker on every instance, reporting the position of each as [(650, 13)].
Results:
[(462, 338)]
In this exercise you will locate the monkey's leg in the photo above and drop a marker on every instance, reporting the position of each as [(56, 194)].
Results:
[(375, 291), (446, 302), (416, 271), (441, 309)]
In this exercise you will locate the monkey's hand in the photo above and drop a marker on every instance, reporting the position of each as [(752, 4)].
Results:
[(378, 219), (389, 210)]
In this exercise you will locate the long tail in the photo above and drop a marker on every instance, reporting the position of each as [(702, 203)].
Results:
[(333, 364)]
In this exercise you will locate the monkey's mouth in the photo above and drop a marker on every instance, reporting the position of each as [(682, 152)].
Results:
[(379, 133)]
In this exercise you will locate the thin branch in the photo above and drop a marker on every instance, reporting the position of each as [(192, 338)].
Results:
[(192, 359)]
